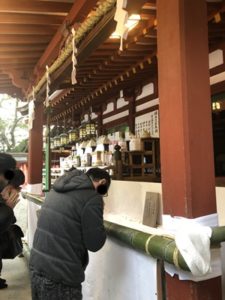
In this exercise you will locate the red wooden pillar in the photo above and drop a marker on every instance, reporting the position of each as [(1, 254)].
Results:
[(188, 182), (35, 153)]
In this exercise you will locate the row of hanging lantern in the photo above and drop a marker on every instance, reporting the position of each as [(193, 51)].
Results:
[(85, 132)]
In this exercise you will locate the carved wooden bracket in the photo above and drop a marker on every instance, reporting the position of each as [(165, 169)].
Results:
[(19, 79), (13, 92)]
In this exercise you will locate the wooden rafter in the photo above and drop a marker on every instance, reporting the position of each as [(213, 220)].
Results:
[(98, 35), (34, 7), (26, 27), (30, 19), (78, 10), (15, 48), (23, 39), (22, 54), (27, 30)]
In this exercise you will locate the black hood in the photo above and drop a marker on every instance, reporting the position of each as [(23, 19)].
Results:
[(7, 162), (72, 180)]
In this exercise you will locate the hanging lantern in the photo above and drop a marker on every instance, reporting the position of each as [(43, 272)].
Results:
[(64, 139), (90, 129), (73, 135), (216, 106), (82, 132), (56, 141)]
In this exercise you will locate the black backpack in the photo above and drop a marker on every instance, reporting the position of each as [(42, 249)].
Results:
[(11, 242)]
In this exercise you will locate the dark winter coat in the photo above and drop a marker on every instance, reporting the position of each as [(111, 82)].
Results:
[(7, 218), (70, 223)]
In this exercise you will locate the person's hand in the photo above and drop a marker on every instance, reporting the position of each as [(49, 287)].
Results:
[(10, 195)]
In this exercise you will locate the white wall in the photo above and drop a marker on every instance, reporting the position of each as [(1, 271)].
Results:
[(120, 273), (126, 199), (117, 272)]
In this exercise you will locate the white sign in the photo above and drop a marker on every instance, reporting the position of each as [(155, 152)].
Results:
[(148, 122)]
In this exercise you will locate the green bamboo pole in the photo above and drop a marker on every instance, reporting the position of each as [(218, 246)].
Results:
[(218, 235), (33, 198), (157, 246)]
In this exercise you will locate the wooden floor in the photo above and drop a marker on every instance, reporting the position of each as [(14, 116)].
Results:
[(17, 276)]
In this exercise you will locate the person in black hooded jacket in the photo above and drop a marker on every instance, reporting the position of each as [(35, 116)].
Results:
[(70, 223), (7, 218)]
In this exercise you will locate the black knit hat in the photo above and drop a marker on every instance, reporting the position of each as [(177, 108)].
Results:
[(7, 165), (18, 179)]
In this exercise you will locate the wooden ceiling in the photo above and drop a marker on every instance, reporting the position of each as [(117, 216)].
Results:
[(32, 32), (26, 29)]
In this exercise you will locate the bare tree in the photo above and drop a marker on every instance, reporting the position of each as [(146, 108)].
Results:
[(9, 126)]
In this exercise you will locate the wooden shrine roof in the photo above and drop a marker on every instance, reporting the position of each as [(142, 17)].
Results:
[(26, 29), (33, 32)]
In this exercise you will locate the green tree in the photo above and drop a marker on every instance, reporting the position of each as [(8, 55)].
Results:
[(12, 126)]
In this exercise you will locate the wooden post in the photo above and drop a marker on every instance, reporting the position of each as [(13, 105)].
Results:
[(131, 118), (130, 96), (98, 110), (35, 164), (35, 153), (187, 165), (47, 152)]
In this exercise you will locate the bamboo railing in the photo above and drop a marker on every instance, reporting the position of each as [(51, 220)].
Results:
[(157, 246)]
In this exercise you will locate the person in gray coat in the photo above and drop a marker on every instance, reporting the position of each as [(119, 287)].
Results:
[(70, 223)]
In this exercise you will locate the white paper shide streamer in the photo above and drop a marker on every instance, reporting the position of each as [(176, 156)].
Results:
[(48, 82), (33, 93), (31, 114), (74, 59), (121, 17)]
